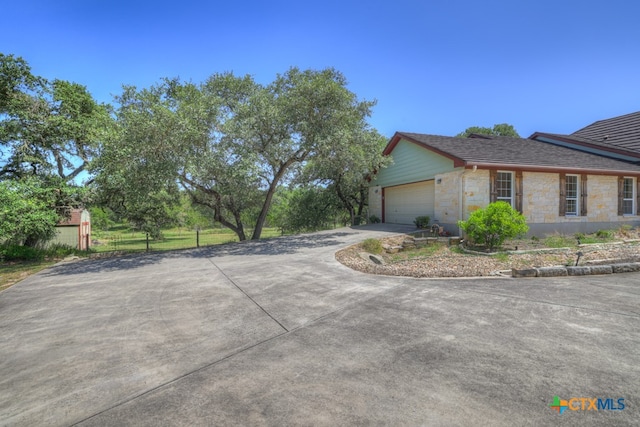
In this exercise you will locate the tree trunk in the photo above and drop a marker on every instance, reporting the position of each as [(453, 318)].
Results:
[(262, 217)]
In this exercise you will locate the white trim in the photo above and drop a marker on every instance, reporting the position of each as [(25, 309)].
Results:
[(576, 199), (632, 199), (510, 199)]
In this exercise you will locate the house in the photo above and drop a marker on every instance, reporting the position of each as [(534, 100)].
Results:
[(562, 187), (74, 231)]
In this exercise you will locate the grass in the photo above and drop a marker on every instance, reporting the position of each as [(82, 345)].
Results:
[(122, 238), (12, 273), (418, 253)]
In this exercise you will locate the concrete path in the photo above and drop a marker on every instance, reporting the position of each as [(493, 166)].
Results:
[(278, 333)]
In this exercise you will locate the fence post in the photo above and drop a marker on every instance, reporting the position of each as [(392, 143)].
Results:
[(147, 242), (198, 237)]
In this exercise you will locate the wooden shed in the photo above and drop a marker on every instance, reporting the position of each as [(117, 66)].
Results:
[(75, 231)]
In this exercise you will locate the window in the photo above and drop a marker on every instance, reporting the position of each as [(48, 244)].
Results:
[(571, 195), (504, 187), (628, 196)]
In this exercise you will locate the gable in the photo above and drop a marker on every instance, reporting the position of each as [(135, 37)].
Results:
[(412, 163)]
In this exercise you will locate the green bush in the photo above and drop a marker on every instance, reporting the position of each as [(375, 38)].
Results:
[(422, 221), (21, 253), (494, 224), (605, 234), (372, 246), (374, 219)]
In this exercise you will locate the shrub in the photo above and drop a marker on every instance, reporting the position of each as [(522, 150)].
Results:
[(374, 219), (21, 253), (372, 246), (422, 221), (605, 234), (494, 224)]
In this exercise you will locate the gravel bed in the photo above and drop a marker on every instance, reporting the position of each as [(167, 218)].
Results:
[(449, 262)]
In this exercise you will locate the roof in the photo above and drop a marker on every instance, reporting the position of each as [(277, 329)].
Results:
[(617, 152), (619, 132), (515, 153), (75, 218)]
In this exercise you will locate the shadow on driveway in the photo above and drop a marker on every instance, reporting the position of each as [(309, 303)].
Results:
[(285, 245)]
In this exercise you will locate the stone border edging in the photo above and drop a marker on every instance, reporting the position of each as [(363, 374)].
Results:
[(581, 270)]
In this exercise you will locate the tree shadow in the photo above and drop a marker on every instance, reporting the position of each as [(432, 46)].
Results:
[(272, 246)]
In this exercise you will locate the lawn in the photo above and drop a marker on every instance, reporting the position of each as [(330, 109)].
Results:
[(12, 273), (121, 238)]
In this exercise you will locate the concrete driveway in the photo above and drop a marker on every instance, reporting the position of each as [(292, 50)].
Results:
[(278, 333)]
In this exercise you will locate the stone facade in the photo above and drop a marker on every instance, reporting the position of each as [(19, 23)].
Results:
[(375, 201), (540, 201)]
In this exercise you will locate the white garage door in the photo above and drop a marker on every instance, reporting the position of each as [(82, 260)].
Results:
[(403, 203)]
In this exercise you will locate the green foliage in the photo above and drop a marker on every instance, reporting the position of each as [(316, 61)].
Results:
[(502, 129), (374, 219), (304, 209), (493, 224), (558, 241), (46, 127), (27, 213), (101, 218), (422, 221), (605, 234), (373, 246), (11, 252), (230, 142), (20, 253)]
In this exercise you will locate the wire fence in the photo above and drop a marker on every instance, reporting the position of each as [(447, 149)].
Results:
[(131, 241)]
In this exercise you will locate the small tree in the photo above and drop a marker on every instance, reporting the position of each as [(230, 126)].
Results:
[(495, 223)]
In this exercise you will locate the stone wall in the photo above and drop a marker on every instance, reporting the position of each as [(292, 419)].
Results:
[(375, 201)]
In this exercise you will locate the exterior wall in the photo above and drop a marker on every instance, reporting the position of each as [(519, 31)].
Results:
[(411, 163), (541, 198), (542, 212), (66, 235), (375, 201), (446, 210)]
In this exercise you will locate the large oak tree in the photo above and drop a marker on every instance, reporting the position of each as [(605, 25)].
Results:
[(230, 141)]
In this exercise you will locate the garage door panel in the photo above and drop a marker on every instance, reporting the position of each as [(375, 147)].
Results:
[(403, 203)]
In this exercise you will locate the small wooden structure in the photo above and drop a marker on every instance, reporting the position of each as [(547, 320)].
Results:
[(75, 231)]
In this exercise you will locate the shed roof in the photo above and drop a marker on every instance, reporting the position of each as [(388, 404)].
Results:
[(74, 219), (516, 153)]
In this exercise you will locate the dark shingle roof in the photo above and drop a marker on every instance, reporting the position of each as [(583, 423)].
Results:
[(520, 152), (618, 132)]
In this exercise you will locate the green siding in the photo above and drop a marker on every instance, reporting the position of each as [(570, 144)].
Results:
[(412, 163)]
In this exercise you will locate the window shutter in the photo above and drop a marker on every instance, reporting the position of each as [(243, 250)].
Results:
[(562, 205), (519, 191), (620, 194), (583, 195), (493, 188)]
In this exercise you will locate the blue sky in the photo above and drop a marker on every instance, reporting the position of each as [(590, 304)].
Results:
[(434, 67)]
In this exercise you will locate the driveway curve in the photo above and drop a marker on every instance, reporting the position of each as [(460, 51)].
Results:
[(277, 332)]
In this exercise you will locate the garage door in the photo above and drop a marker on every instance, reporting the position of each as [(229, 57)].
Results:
[(403, 203)]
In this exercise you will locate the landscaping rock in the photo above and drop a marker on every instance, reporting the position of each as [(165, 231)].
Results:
[(528, 272), (601, 269), (626, 267), (376, 259), (578, 271), (552, 271)]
